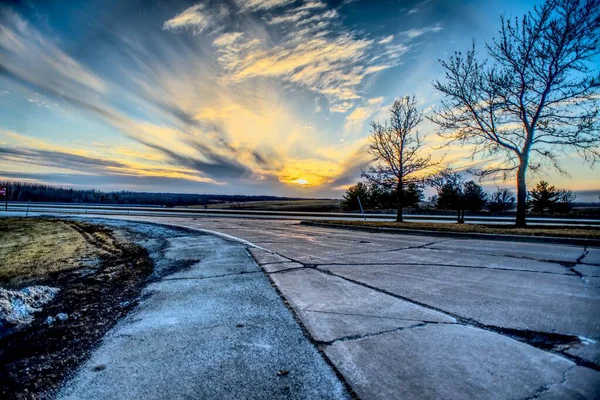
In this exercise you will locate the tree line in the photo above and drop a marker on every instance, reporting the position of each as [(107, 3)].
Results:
[(534, 97), (455, 193), (25, 191)]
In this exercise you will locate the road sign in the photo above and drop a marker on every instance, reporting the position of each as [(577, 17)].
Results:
[(2, 191)]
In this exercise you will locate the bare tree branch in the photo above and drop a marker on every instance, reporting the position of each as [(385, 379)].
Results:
[(538, 91)]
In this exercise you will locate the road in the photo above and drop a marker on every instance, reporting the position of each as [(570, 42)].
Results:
[(208, 326), (20, 208), (415, 317)]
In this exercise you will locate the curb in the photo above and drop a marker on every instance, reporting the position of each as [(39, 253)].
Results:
[(464, 235)]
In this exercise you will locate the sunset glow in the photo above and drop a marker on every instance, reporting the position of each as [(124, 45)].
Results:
[(239, 96)]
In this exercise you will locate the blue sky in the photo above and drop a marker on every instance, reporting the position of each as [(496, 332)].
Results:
[(240, 96)]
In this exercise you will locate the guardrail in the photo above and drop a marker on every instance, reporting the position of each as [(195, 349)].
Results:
[(107, 209)]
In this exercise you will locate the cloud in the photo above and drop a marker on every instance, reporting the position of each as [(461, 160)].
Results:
[(311, 5), (355, 121), (61, 159), (227, 39), (30, 57), (261, 5), (294, 16), (416, 32), (331, 65), (314, 52), (214, 111), (210, 163), (386, 39), (197, 18)]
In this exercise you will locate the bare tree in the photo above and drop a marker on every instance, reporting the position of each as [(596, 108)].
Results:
[(397, 149), (538, 96)]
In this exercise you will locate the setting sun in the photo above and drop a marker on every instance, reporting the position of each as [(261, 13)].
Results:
[(301, 181)]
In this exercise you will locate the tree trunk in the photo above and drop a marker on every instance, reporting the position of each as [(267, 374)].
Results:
[(521, 195), (400, 196)]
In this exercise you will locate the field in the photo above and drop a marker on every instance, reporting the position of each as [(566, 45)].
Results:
[(311, 205), (28, 249), (586, 233)]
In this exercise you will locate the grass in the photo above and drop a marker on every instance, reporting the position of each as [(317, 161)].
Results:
[(310, 205), (33, 247), (571, 232)]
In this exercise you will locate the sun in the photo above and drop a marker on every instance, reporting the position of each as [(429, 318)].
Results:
[(301, 181)]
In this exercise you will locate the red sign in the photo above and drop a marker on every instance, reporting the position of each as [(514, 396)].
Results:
[(2, 191)]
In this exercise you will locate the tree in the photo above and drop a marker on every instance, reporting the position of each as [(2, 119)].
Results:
[(397, 149), (350, 198), (543, 197), (377, 196), (536, 97), (453, 193), (564, 201), (413, 194), (501, 201), (474, 198)]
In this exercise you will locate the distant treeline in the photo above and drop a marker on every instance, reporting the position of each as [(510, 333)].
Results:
[(23, 191)]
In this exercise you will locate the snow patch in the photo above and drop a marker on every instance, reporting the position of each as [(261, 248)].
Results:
[(18, 306)]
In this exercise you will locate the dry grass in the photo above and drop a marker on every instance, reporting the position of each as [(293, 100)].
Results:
[(32, 247), (588, 233), (314, 205)]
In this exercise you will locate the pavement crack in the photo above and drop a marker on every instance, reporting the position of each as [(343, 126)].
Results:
[(582, 256), (283, 271), (276, 262), (546, 388), (550, 342), (370, 335), (369, 316), (503, 255), (396, 249), (450, 266)]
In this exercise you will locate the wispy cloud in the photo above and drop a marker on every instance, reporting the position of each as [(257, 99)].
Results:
[(197, 18), (30, 57), (261, 5), (416, 32), (355, 121), (315, 53)]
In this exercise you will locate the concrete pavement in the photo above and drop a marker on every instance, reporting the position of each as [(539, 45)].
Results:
[(210, 326), (425, 317)]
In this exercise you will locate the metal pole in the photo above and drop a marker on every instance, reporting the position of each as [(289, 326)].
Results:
[(27, 211), (86, 207), (361, 208)]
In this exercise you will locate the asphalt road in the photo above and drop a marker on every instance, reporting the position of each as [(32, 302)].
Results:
[(414, 317), (20, 208)]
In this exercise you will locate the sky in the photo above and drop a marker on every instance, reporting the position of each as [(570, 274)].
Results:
[(252, 97)]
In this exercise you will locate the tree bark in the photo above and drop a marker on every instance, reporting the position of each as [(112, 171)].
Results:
[(460, 216), (521, 196), (400, 196)]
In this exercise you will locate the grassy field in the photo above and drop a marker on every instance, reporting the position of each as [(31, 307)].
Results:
[(311, 205), (31, 247), (589, 233)]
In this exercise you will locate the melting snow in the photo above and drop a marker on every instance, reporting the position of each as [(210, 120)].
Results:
[(18, 306)]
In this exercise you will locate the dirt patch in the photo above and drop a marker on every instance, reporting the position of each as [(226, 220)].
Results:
[(94, 293)]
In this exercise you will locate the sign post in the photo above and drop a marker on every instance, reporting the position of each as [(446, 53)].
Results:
[(361, 208), (4, 192)]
